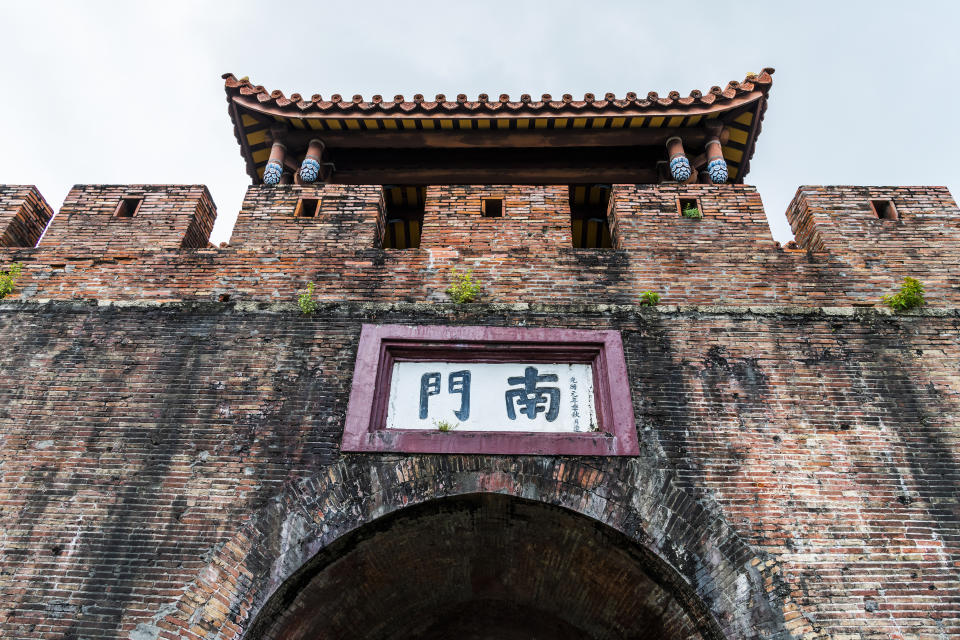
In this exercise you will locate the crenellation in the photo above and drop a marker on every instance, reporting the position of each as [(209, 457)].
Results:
[(197, 235), (24, 214), (123, 217), (846, 254), (649, 217), (841, 220), (534, 218), (347, 219)]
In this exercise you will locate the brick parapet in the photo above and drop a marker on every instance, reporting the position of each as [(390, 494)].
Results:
[(705, 276), (525, 256), (534, 219), (648, 217), (158, 460), (168, 217), (348, 220), (841, 221), (24, 214)]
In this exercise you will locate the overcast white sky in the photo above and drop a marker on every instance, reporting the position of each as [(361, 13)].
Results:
[(124, 92)]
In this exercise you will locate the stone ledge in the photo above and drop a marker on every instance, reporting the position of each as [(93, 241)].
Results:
[(451, 309)]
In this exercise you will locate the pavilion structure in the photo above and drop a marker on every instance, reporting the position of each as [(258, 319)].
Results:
[(588, 144)]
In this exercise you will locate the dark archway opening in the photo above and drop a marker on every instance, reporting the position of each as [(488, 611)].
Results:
[(479, 567)]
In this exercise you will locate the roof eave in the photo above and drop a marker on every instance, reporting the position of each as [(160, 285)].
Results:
[(243, 96)]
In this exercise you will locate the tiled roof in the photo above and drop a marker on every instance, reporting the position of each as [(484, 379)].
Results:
[(296, 105), (740, 106)]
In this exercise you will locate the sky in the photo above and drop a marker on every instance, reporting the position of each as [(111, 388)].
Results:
[(126, 92)]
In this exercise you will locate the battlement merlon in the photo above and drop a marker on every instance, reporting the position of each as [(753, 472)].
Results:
[(24, 214), (884, 223), (137, 216), (354, 243)]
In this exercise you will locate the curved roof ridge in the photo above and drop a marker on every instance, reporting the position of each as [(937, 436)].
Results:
[(299, 105)]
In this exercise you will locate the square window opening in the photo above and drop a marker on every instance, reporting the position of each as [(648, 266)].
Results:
[(689, 208), (884, 209), (492, 207), (128, 207), (307, 208), (402, 216), (589, 225)]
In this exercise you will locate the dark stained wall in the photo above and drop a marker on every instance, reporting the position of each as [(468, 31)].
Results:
[(170, 424), (165, 466)]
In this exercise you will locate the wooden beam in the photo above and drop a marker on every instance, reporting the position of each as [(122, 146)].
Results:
[(492, 139), (497, 165), (493, 175)]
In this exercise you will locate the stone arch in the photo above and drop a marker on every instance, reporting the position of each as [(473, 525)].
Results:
[(484, 565), (684, 535)]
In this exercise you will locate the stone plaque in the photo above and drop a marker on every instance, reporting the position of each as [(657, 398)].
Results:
[(490, 390), (479, 396)]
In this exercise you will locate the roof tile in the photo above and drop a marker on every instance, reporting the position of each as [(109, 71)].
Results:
[(317, 105), (241, 93)]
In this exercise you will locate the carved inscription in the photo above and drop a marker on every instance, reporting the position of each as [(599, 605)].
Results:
[(520, 397)]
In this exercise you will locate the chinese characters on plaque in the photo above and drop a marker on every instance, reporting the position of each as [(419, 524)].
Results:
[(523, 397)]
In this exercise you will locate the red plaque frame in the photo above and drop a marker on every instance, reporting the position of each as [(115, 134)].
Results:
[(382, 345)]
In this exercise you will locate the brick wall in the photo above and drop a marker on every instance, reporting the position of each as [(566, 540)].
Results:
[(168, 217), (534, 219), (799, 465), (648, 218), (346, 222), (165, 465), (24, 215), (841, 221), (727, 257)]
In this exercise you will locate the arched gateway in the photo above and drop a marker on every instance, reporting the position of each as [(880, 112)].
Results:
[(485, 546), (484, 566)]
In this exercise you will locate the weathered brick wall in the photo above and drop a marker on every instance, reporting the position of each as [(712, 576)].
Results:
[(170, 217), (840, 220), (535, 219), (152, 456), (727, 257), (347, 220), (647, 219), (157, 461), (24, 215)]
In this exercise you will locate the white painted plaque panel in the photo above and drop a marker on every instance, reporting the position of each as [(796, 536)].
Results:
[(480, 396)]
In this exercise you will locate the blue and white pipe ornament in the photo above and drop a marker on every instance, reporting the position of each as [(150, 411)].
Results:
[(310, 169), (717, 170), (680, 168), (272, 173)]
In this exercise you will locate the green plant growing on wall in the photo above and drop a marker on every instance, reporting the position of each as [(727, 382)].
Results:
[(8, 279), (464, 287), (649, 299), (690, 211), (443, 426), (306, 302), (910, 296)]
